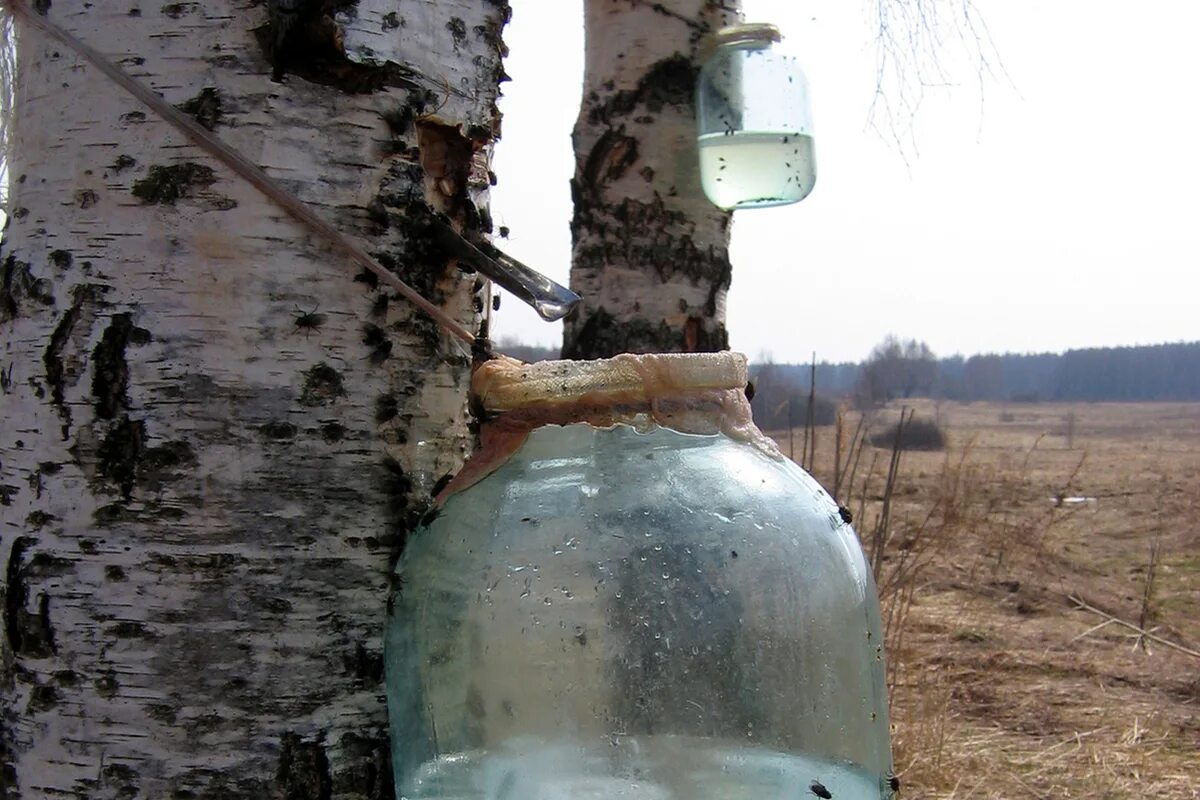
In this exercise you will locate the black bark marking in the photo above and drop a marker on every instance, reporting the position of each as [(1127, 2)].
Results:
[(83, 299), (61, 259), (364, 767), (129, 629), (66, 677), (458, 31), (377, 342), (406, 506), (17, 285), (322, 386), (36, 520), (110, 376), (205, 108), (107, 685), (120, 453), (166, 462), (632, 232), (166, 184), (670, 82), (367, 277), (333, 432), (602, 336), (364, 665), (303, 772), (387, 406), (42, 697), (278, 430), (122, 780), (609, 159), (304, 40), (123, 163), (29, 633)]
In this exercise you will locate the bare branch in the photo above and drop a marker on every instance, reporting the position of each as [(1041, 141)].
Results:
[(915, 42)]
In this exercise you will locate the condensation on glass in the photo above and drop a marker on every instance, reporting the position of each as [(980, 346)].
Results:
[(629, 593), (755, 121)]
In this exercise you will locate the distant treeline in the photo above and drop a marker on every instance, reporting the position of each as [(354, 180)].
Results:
[(900, 369), (1150, 372)]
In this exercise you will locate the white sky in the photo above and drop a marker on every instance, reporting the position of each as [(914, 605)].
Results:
[(1060, 210)]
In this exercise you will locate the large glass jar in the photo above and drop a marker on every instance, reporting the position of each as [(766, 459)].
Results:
[(629, 593), (755, 121)]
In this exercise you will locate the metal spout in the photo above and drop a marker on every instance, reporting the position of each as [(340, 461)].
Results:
[(550, 300)]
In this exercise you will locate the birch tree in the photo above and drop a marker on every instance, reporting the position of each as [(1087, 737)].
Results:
[(215, 435), (650, 253)]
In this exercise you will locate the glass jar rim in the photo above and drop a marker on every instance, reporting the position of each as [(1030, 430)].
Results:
[(747, 33), (504, 385)]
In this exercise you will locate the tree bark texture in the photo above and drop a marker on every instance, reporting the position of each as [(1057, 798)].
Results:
[(215, 435), (650, 253)]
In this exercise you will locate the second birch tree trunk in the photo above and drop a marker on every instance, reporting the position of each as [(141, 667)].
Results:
[(650, 253)]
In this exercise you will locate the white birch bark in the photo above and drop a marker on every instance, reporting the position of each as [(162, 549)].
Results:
[(214, 437), (650, 253)]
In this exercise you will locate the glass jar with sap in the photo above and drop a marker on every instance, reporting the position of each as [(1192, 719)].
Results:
[(755, 122), (630, 594)]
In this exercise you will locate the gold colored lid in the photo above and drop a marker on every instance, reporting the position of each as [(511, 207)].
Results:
[(504, 385)]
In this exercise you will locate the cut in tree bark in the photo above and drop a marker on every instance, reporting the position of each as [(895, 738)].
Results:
[(650, 253), (216, 436)]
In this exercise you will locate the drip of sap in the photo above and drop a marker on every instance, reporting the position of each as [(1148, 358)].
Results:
[(627, 768), (745, 169)]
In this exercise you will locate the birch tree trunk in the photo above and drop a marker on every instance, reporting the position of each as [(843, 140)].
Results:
[(650, 253), (215, 437)]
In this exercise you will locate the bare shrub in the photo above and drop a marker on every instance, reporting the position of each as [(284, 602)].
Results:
[(918, 434)]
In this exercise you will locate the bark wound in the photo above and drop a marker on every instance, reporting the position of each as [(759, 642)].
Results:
[(446, 159), (29, 632), (306, 41)]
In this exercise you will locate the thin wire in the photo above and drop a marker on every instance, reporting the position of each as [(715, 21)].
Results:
[(251, 172)]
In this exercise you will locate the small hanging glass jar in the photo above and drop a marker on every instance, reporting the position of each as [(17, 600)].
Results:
[(629, 593), (755, 123)]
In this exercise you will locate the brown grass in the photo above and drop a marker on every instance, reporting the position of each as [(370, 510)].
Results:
[(1001, 685)]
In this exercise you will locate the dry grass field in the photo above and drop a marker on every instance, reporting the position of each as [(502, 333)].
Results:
[(1016, 568)]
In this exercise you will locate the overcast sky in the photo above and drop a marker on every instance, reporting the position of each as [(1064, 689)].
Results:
[(1056, 206)]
